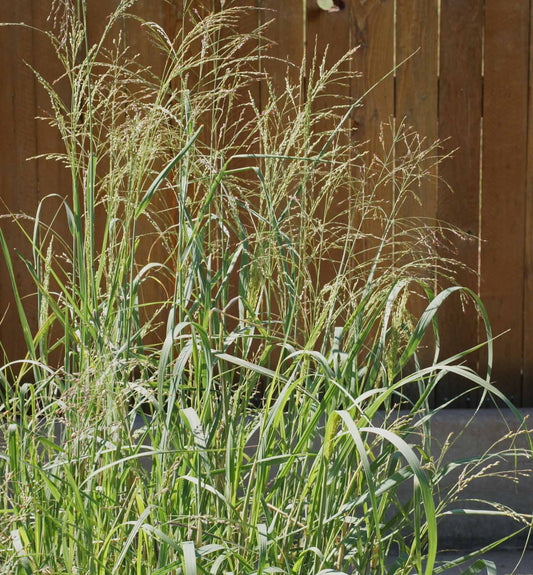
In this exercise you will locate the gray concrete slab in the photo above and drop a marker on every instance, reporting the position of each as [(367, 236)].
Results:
[(507, 561), (466, 435)]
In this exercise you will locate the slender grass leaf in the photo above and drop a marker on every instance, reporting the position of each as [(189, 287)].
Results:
[(162, 176), (480, 565), (133, 533), (189, 558)]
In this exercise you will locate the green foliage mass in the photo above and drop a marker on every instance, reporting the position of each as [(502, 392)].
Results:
[(225, 329)]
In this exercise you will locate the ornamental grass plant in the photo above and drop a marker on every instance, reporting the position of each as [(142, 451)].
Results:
[(224, 336)]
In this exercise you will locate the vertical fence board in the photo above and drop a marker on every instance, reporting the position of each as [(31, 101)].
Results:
[(53, 177), (373, 31), (139, 40), (373, 35), (417, 85), (240, 115), (97, 18), (286, 39), (503, 194), (527, 383), (18, 178), (417, 106), (327, 42), (241, 112), (151, 248), (328, 35), (460, 94)]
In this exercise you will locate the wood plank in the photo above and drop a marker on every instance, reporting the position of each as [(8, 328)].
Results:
[(151, 248), (138, 38), (282, 54), (245, 84), (417, 86), (286, 37), (328, 40), (373, 34), (18, 178), (328, 34), (527, 384), (503, 194), (417, 106), (229, 128), (52, 176), (460, 97)]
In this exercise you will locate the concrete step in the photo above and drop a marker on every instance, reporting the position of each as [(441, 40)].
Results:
[(506, 561)]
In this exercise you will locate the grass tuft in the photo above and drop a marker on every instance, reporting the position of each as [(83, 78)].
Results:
[(223, 348)]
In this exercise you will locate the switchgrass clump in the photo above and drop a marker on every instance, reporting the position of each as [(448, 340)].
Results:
[(223, 326)]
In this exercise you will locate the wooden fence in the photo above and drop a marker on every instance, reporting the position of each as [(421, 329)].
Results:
[(468, 81)]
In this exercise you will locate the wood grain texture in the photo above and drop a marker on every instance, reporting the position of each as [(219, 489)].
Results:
[(286, 39), (417, 107), (460, 99), (328, 39), (527, 383), (246, 88), (151, 248), (503, 193), (18, 177), (328, 35), (53, 177), (373, 35), (417, 85)]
